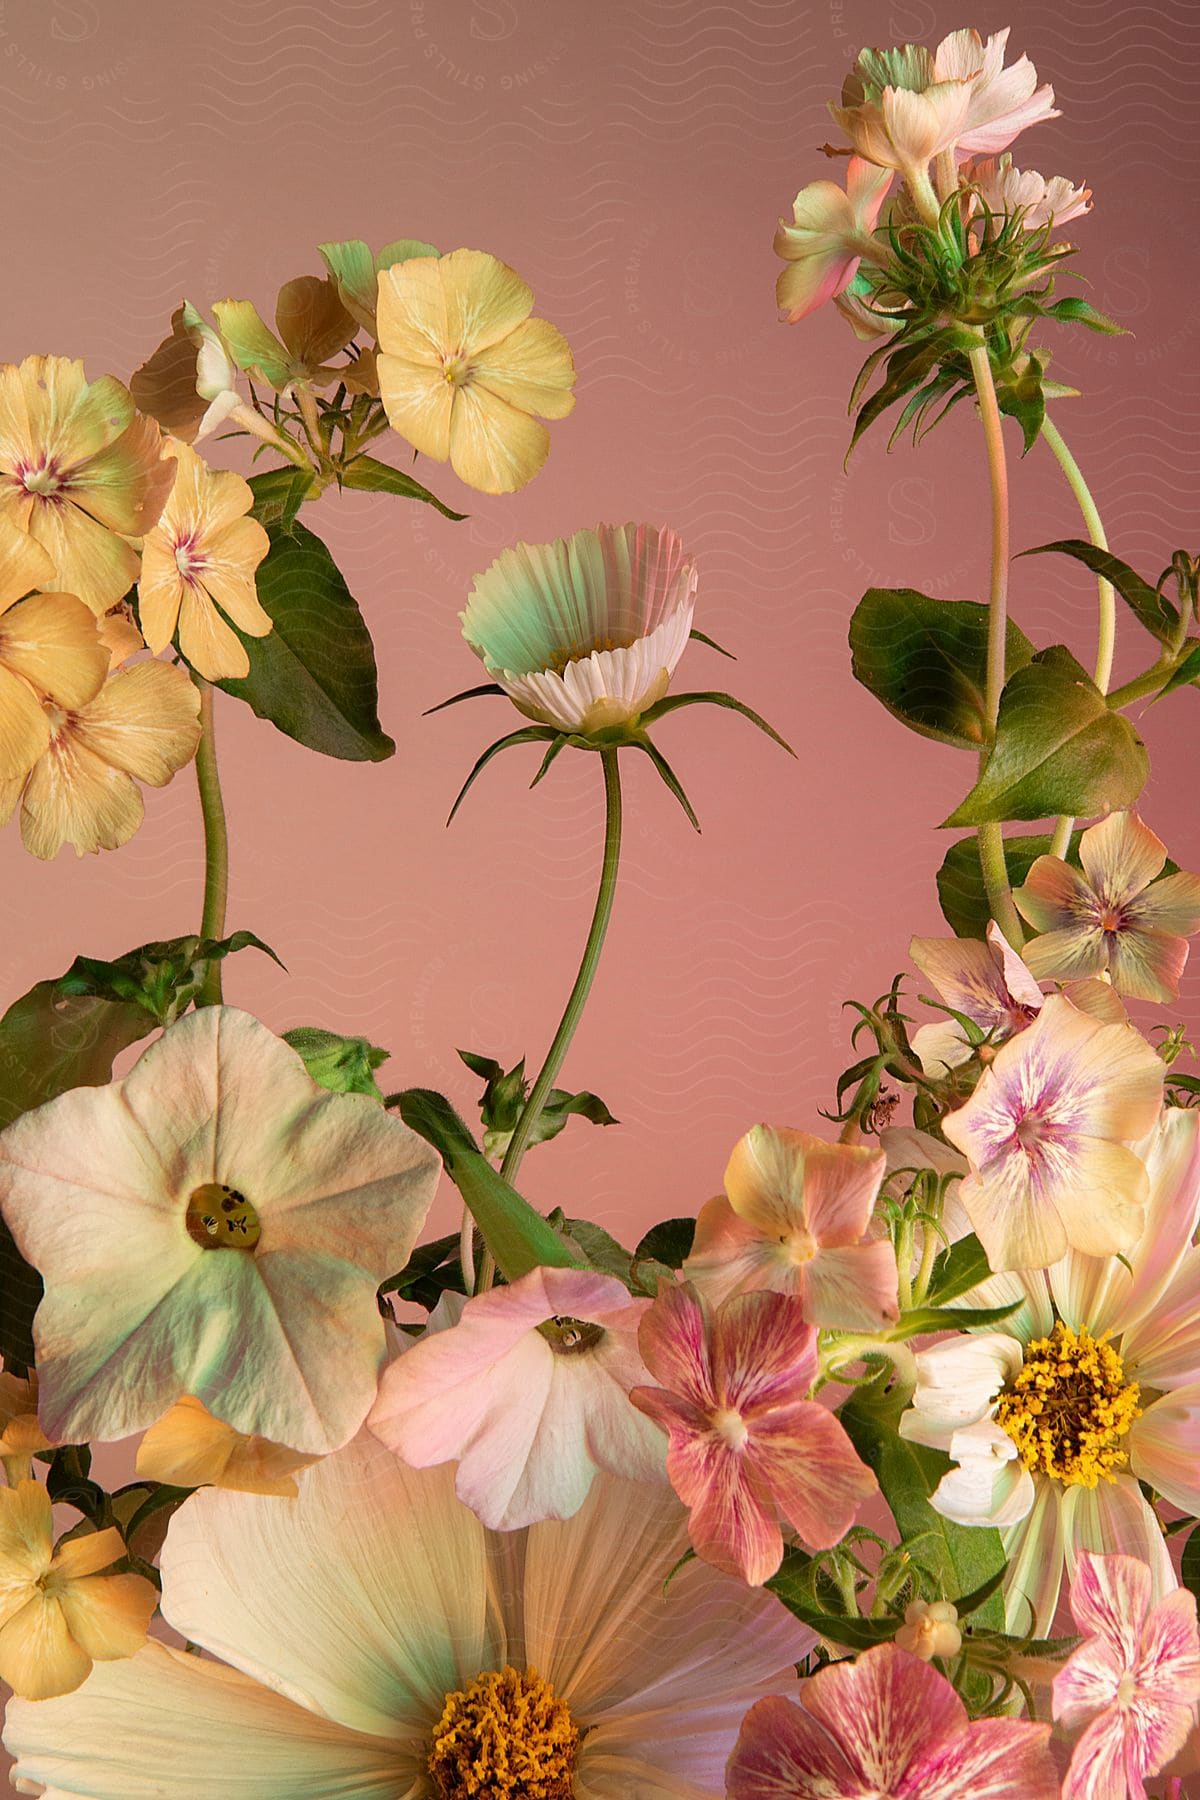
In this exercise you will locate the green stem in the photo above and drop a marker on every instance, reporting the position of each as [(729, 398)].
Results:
[(1106, 637), (587, 971), (991, 836), (216, 842), (1141, 685)]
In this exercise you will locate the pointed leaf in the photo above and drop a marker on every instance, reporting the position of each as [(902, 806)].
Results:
[(279, 494), (374, 477), (926, 660), (672, 702), (669, 1242), (792, 1584), (1187, 671), (1058, 749), (1152, 609), (530, 734), (958, 1269), (671, 780), (926, 1319), (702, 637)]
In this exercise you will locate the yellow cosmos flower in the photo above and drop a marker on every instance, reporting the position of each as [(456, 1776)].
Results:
[(188, 1447), (81, 471), (198, 564), (49, 646), (464, 373), (143, 723), (58, 1614)]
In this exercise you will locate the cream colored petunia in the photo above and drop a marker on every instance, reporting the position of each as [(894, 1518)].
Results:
[(49, 647), (58, 1613), (198, 567), (464, 373), (143, 725), (188, 1447), (81, 471)]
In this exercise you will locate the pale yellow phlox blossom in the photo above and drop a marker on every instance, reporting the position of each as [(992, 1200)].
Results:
[(58, 1613), (188, 1447), (464, 373), (198, 569), (49, 649)]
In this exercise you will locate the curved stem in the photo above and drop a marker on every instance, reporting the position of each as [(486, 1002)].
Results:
[(577, 999), (1106, 636), (216, 841), (991, 836)]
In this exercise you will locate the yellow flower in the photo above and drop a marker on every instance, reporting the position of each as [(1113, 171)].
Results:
[(188, 1447), (58, 1614), (81, 471), (465, 373), (198, 563), (49, 646), (143, 723), (20, 1433)]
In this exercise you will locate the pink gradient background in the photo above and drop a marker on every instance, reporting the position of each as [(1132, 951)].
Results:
[(630, 160)]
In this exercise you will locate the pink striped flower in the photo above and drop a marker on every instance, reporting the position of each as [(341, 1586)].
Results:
[(1134, 1682), (747, 1445), (885, 1727)]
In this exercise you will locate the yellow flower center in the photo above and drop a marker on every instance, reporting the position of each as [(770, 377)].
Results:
[(1070, 1408), (505, 1737), (731, 1428), (219, 1218), (456, 371)]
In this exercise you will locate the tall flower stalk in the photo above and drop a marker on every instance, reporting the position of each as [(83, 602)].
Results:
[(216, 842)]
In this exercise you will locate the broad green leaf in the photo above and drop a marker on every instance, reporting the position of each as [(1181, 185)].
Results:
[(597, 1246), (669, 1242), (958, 1269), (162, 977), (926, 660), (344, 1065), (518, 1237), (959, 1559), (279, 494), (960, 886), (431, 1270), (1189, 1567), (1058, 749), (374, 477), (1152, 609), (313, 676)]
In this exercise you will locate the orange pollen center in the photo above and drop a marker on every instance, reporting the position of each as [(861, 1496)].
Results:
[(506, 1736)]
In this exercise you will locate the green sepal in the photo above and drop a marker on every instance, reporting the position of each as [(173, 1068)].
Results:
[(344, 1065), (1058, 749), (529, 734), (1184, 673), (553, 750), (960, 884), (367, 474), (926, 661), (279, 494), (702, 637), (472, 693), (670, 779), (1151, 609), (672, 702), (1022, 397), (1075, 310), (518, 1237)]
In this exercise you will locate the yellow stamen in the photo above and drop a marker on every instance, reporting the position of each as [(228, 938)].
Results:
[(1070, 1408), (507, 1737)]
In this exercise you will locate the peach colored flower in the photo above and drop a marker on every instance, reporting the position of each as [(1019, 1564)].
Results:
[(795, 1218), (747, 1445), (886, 1724), (49, 649), (377, 1642), (188, 1447), (142, 725), (830, 231), (585, 632), (1004, 189), (899, 128), (58, 1613), (237, 1220), (1002, 102), (198, 569), (465, 373), (1116, 917), (21, 1433), (81, 471), (1047, 1133), (1134, 1682), (528, 1391)]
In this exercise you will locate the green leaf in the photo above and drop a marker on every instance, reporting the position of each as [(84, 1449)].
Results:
[(669, 1242), (344, 1065), (597, 1246), (926, 660), (958, 1269), (925, 1319), (960, 885), (1058, 749), (1023, 398), (431, 1270), (958, 1559), (517, 1236), (374, 477), (279, 494), (1187, 671), (1152, 609), (313, 677), (162, 977), (1189, 1567), (1074, 310), (793, 1585)]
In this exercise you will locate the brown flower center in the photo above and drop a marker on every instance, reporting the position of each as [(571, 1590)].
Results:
[(571, 1337), (220, 1218), (505, 1737)]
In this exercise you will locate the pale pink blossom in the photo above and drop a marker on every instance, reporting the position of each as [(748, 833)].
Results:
[(886, 1724), (830, 231), (747, 1445), (1134, 1682), (795, 1218), (987, 982), (1040, 201), (529, 1393), (1117, 916), (1047, 1133), (902, 129), (1001, 102)]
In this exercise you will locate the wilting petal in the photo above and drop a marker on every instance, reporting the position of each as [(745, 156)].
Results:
[(988, 1485)]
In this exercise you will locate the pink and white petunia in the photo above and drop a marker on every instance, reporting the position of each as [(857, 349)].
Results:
[(1132, 1685), (987, 982), (214, 1224), (529, 1393), (1119, 916), (585, 632), (825, 242), (371, 1628), (795, 1218), (1002, 102), (747, 1445), (1047, 1133), (1040, 201), (1137, 1321), (886, 1724)]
